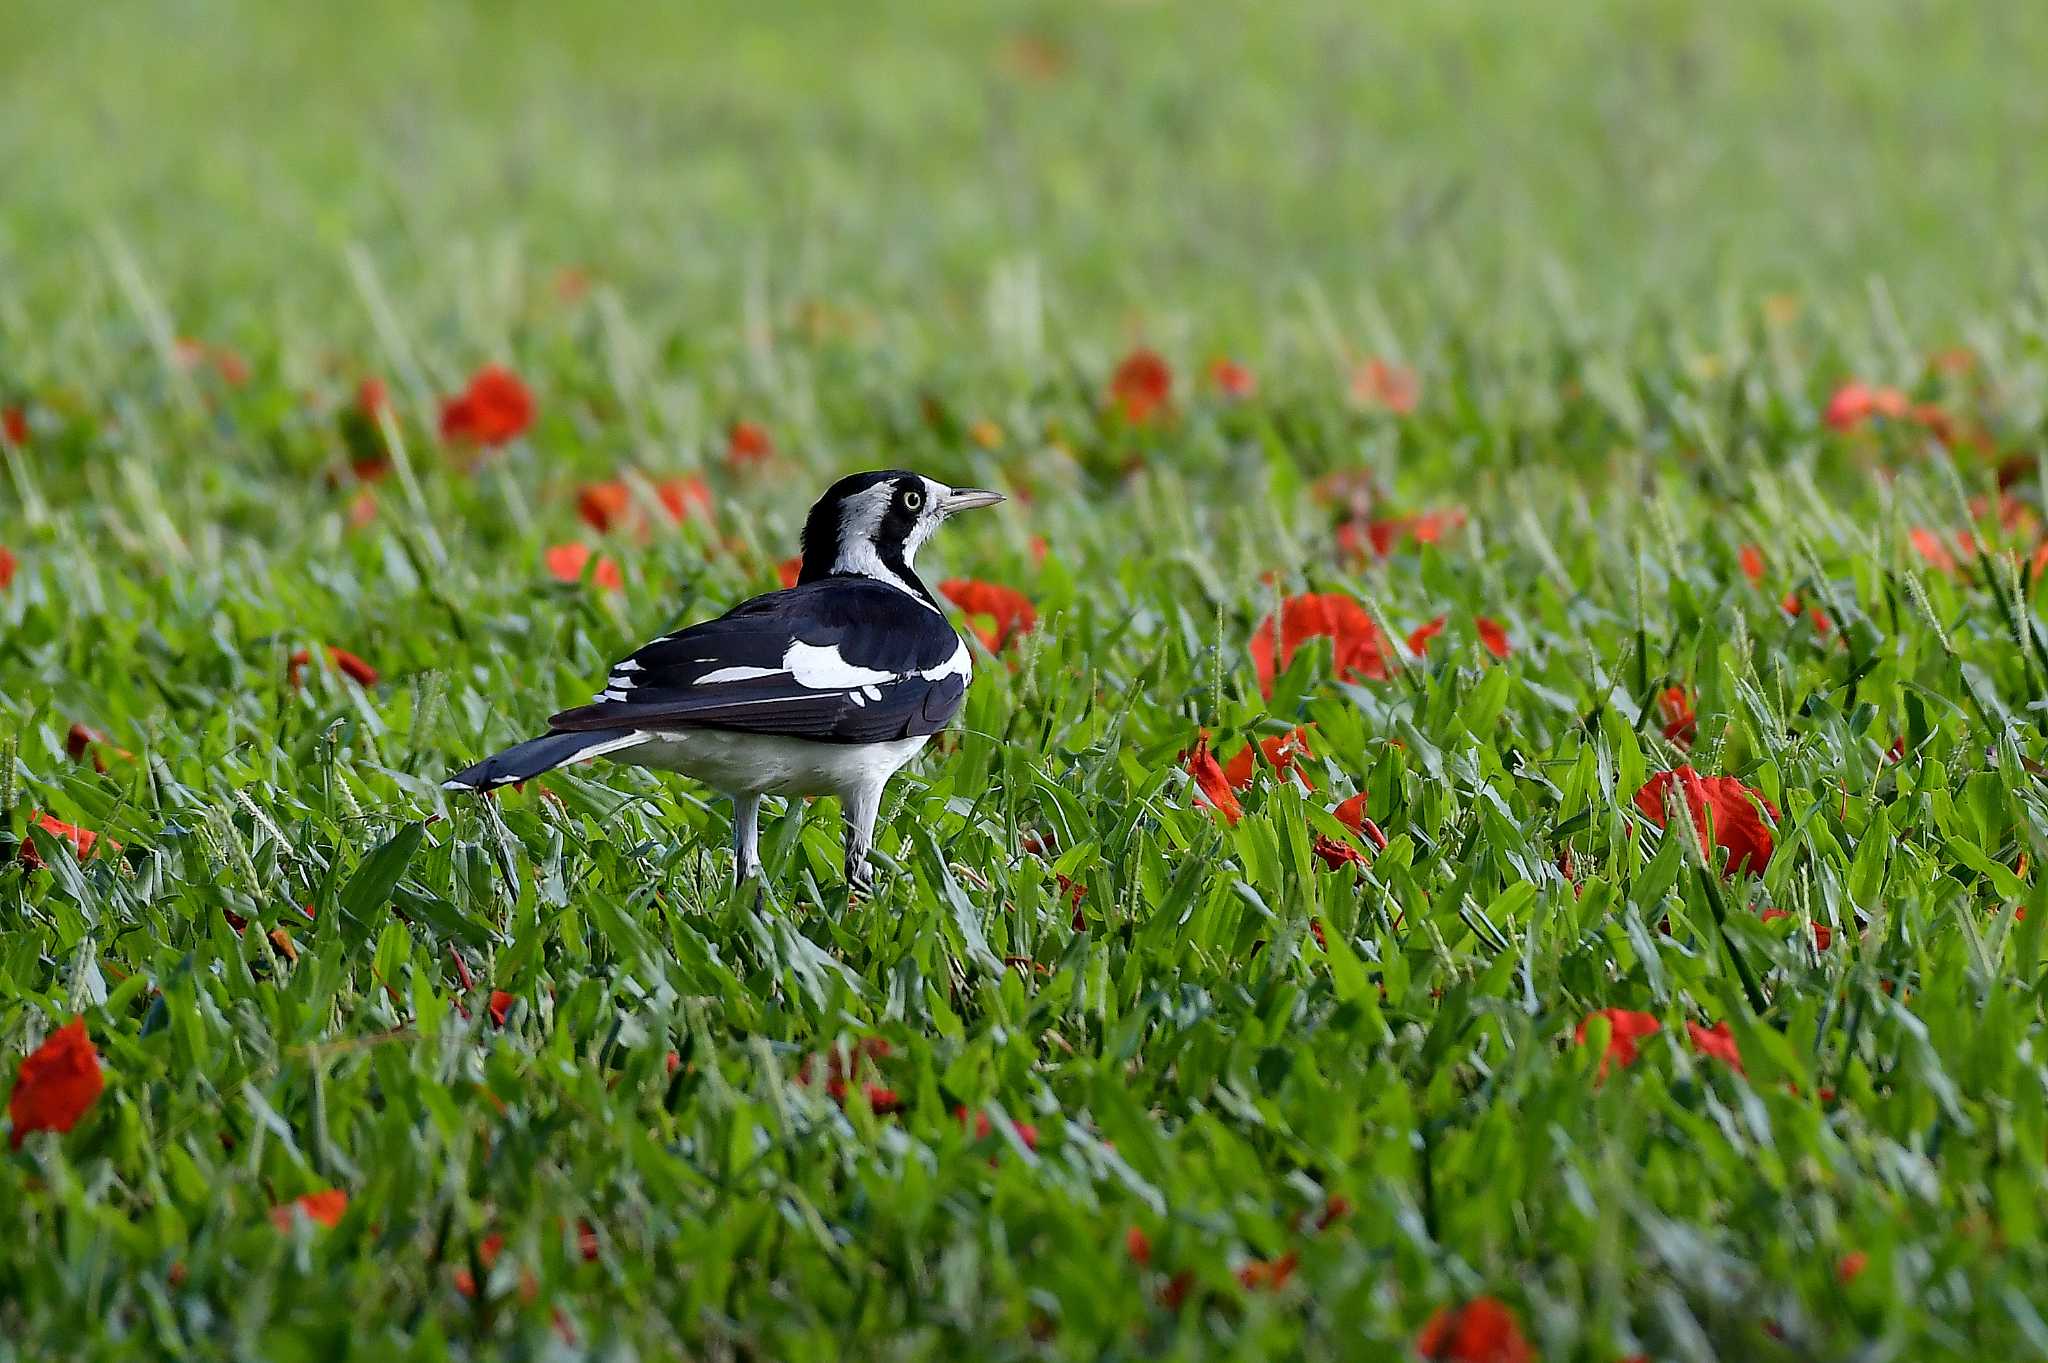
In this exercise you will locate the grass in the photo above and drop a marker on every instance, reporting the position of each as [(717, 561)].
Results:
[(1628, 251)]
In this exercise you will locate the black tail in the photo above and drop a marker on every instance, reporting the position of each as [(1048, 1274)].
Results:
[(523, 761)]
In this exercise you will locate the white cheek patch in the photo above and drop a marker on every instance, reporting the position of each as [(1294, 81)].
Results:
[(820, 668)]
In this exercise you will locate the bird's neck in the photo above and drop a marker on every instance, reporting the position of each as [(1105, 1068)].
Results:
[(864, 558)]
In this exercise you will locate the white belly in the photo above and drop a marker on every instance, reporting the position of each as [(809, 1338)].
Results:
[(770, 764)]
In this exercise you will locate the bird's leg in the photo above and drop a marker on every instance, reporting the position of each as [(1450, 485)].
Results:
[(746, 837), (861, 808)]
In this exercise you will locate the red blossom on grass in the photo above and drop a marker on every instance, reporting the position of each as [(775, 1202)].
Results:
[(1793, 606), (7, 566), (1624, 1027), (1493, 636), (56, 1084), (345, 662), (495, 408), (1138, 1246), (191, 353), (1352, 815), (1381, 383), (1854, 403), (1232, 379), (983, 1128), (1269, 1275), (1929, 546), (1337, 855), (1212, 787), (1009, 611), (1141, 386), (1359, 650), (1851, 1267), (82, 840), (567, 561), (603, 505), (1489, 631), (1731, 807), (371, 399), (1716, 1041), (684, 497), (1482, 1330), (1382, 535), (788, 571), (1752, 560), (501, 1006), (747, 443), (1280, 752), (14, 425), (1681, 725), (609, 505), (81, 743), (1823, 935), (324, 1208)]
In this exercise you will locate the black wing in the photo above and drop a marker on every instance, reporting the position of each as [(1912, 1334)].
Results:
[(840, 660)]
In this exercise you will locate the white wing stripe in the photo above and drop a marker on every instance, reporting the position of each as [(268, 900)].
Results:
[(735, 674)]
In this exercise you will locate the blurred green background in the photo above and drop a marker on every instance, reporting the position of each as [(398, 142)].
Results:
[(1139, 156)]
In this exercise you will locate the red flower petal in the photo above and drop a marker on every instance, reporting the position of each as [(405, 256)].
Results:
[(1492, 635), (501, 1005), (1269, 1275), (1378, 383), (1138, 1245), (747, 443), (603, 505), (82, 840), (1752, 560), (1141, 386), (495, 408), (57, 1083), (789, 570), (1279, 751), (1681, 725), (1359, 650), (1418, 642), (1009, 610), (1823, 935), (345, 662), (323, 1208), (1716, 1041), (1483, 1330), (684, 497), (1624, 1026), (1232, 379), (567, 561), (1738, 829), (7, 566), (1211, 786), (14, 425)]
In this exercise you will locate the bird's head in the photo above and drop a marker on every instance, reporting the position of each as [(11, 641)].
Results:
[(872, 525)]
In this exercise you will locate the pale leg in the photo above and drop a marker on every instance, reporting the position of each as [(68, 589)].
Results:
[(861, 806), (746, 837)]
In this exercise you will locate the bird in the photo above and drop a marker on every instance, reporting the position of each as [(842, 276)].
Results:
[(828, 687)]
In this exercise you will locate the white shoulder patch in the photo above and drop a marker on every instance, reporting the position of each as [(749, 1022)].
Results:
[(961, 664), (820, 668)]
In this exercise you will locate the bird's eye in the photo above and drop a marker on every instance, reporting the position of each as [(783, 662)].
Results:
[(913, 499)]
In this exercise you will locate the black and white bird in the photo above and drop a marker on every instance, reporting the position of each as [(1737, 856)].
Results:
[(827, 688)]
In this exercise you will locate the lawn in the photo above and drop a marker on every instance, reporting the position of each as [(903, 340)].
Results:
[(1507, 830)]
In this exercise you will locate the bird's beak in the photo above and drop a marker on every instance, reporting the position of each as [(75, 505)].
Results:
[(967, 498)]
